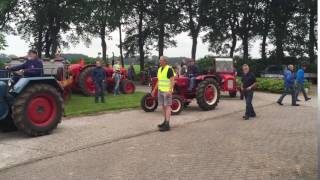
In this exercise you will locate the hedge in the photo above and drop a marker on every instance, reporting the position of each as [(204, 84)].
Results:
[(271, 85)]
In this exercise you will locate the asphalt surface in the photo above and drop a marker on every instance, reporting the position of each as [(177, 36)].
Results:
[(280, 143)]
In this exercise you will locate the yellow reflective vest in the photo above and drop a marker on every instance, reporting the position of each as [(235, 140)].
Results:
[(163, 80)]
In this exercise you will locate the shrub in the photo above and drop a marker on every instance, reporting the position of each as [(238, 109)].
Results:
[(271, 85)]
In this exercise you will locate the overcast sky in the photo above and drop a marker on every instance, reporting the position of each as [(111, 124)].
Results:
[(19, 47)]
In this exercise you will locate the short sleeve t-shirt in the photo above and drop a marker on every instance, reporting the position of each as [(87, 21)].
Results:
[(170, 73), (248, 79)]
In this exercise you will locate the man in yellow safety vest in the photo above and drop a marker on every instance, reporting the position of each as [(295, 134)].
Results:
[(165, 87)]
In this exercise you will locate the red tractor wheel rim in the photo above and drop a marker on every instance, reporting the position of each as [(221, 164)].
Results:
[(150, 102), (42, 109), (129, 88), (176, 105), (90, 85), (210, 94)]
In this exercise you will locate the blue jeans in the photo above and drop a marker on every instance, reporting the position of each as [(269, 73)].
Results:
[(300, 88), (248, 95), (116, 83), (287, 91), (192, 83), (99, 91)]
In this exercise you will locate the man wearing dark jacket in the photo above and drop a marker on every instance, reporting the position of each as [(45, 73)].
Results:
[(289, 78), (99, 78), (248, 83), (32, 67), (192, 73)]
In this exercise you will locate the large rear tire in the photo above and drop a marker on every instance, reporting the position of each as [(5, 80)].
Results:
[(38, 110), (208, 95), (149, 103), (127, 87), (86, 83)]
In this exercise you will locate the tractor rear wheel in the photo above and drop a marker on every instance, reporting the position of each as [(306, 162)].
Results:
[(127, 87), (177, 105), (86, 83), (38, 110), (149, 103), (208, 95)]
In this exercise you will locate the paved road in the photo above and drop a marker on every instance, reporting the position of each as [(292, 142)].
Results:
[(279, 144)]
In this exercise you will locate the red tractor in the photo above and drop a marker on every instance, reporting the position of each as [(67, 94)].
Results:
[(224, 68), (206, 93), (83, 82)]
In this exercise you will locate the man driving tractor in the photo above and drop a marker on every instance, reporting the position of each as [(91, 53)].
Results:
[(192, 73), (32, 67)]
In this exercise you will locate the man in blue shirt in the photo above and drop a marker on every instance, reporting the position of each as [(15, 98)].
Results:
[(300, 83), (289, 78), (248, 83), (99, 78), (192, 73), (32, 67)]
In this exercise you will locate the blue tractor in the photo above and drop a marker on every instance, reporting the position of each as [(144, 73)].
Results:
[(33, 105)]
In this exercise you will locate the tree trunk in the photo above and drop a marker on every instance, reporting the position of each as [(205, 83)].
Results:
[(103, 43), (161, 39), (234, 44), (311, 35), (39, 44), (194, 46), (263, 47), (245, 45), (141, 41), (48, 43), (120, 45), (161, 27)]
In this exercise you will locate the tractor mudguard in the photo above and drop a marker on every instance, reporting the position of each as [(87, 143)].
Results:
[(24, 82)]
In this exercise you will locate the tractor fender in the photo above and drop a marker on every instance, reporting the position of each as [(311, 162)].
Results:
[(24, 82), (204, 77)]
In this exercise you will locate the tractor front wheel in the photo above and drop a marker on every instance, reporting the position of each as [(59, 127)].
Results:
[(38, 110), (177, 105), (208, 95), (149, 103)]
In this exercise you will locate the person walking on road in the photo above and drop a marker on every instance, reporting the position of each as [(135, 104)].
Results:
[(165, 87), (248, 84), (300, 83), (289, 78), (99, 78)]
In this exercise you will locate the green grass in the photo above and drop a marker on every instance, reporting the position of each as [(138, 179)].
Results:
[(79, 105)]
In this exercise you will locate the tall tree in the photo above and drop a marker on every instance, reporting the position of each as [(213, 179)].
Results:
[(264, 24), (167, 16), (196, 11)]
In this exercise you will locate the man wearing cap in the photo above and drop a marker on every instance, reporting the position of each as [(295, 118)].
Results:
[(32, 67), (165, 87)]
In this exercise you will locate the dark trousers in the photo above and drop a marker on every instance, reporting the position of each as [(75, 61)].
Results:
[(99, 92), (300, 88), (288, 91), (248, 95)]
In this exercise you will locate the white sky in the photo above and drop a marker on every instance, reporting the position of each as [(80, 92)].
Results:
[(19, 47)]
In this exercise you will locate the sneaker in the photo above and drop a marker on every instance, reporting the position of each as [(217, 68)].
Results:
[(253, 115), (308, 99), (295, 104), (280, 103), (245, 117), (165, 127)]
